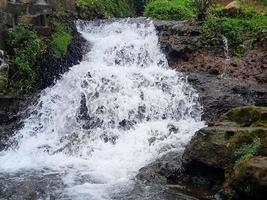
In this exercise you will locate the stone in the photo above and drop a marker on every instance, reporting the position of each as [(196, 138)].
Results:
[(232, 7), (251, 179), (212, 155)]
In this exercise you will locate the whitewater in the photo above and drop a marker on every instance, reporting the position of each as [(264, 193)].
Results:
[(118, 110)]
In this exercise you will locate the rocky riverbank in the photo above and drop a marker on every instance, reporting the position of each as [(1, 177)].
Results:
[(226, 160), (196, 172), (219, 89)]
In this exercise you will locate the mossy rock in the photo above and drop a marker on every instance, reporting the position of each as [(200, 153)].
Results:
[(248, 116), (250, 178)]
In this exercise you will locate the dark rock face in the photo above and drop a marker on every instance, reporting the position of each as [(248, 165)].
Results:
[(51, 68), (219, 95), (178, 39)]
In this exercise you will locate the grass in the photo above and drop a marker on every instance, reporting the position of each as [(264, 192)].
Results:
[(169, 9), (237, 30), (61, 39), (107, 8)]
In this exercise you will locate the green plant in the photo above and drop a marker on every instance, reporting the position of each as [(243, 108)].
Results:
[(169, 9), (25, 46), (245, 152), (236, 30), (245, 12), (107, 8), (61, 39), (202, 7)]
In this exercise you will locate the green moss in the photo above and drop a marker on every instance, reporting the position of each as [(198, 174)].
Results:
[(248, 116), (61, 39), (237, 31), (107, 8), (169, 10)]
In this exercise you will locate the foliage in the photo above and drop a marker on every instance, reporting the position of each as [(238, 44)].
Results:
[(169, 9), (202, 7), (248, 149), (26, 47), (235, 29), (61, 39), (244, 12), (245, 152), (139, 6), (107, 8)]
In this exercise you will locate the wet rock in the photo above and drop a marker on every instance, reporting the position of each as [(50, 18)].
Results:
[(32, 186), (178, 38), (126, 124), (164, 170), (218, 95), (83, 114), (51, 68)]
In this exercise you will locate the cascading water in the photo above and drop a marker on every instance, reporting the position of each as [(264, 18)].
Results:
[(226, 54), (115, 112)]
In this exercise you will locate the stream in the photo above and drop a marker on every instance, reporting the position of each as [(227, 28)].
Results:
[(117, 111)]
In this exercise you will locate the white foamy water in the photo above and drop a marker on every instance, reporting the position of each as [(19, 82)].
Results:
[(121, 108)]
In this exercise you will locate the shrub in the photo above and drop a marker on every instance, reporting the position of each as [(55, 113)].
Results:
[(25, 47), (236, 30), (169, 9), (61, 39), (107, 8), (202, 7)]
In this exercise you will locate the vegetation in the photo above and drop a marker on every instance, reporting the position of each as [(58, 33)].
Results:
[(61, 39), (237, 30), (169, 10), (107, 8), (246, 151), (24, 47), (202, 7)]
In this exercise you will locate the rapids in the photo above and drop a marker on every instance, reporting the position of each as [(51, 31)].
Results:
[(121, 108)]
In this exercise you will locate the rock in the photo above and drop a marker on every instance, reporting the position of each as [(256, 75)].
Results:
[(178, 38), (164, 170), (232, 7), (219, 95), (230, 155), (51, 68), (251, 180), (248, 116)]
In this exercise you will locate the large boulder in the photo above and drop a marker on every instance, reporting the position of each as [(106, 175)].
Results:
[(231, 153)]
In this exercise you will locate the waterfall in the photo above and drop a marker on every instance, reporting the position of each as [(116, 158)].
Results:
[(226, 54), (121, 108)]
